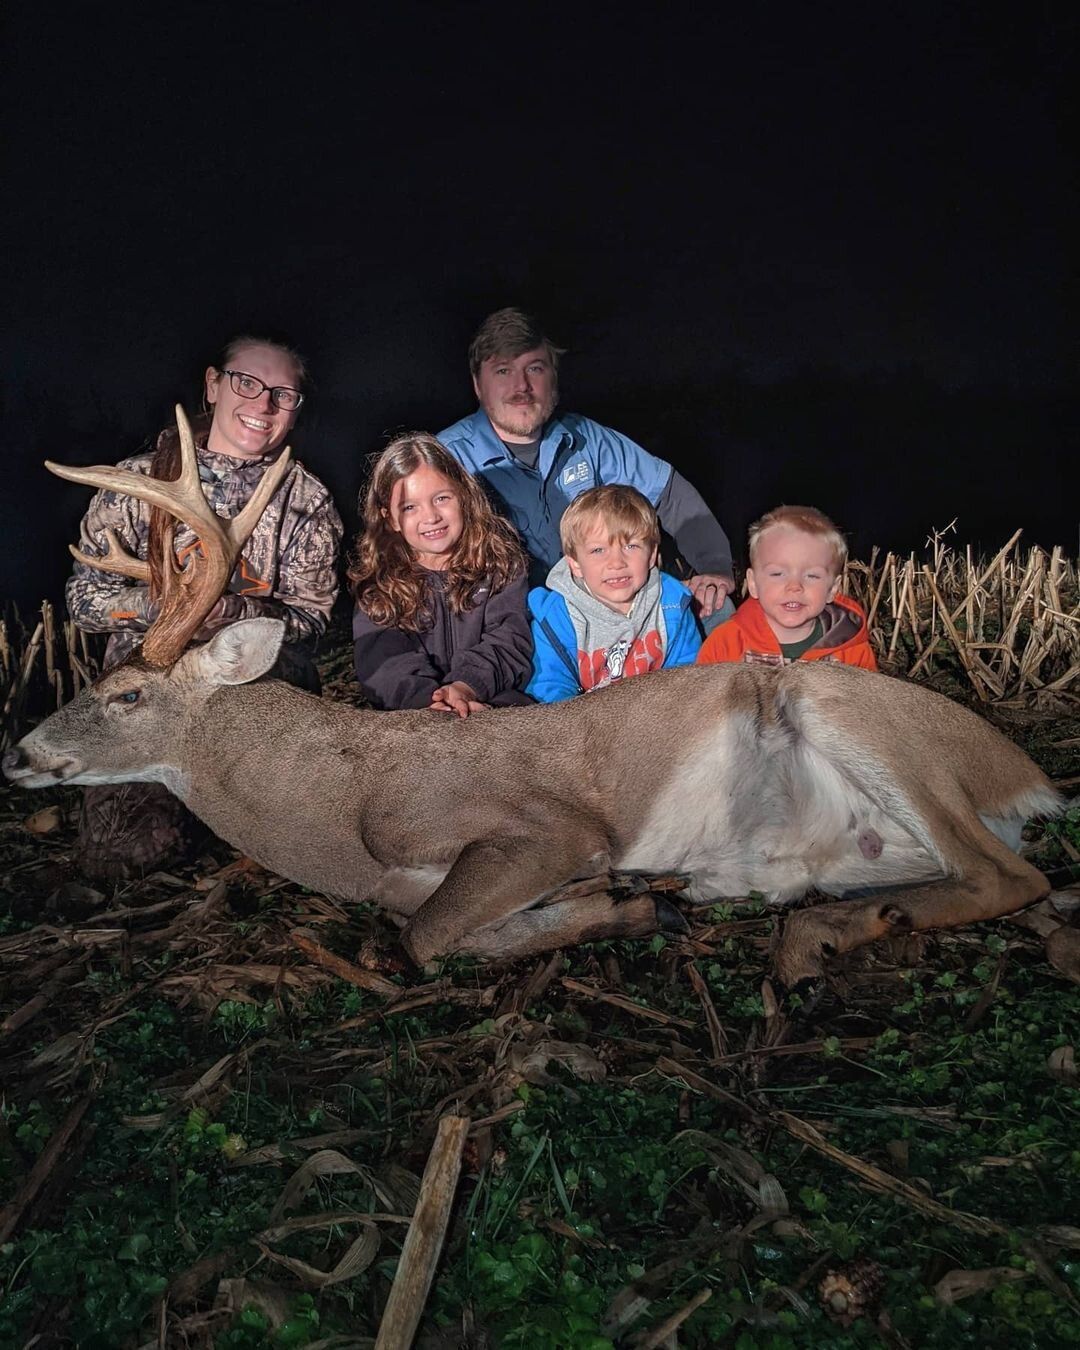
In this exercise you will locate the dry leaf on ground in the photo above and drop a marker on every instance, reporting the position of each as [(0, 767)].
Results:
[(960, 1284)]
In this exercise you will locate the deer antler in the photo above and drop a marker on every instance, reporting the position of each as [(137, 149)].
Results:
[(117, 559), (191, 591)]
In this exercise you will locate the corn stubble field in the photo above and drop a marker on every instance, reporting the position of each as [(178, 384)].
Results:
[(229, 1120)]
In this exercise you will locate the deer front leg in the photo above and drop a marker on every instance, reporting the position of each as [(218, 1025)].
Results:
[(492, 879), (565, 923), (992, 884)]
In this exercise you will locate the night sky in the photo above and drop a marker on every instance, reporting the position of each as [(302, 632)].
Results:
[(806, 252)]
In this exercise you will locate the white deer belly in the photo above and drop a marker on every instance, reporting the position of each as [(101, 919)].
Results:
[(764, 812), (697, 825)]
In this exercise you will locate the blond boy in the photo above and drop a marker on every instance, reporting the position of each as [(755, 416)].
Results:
[(607, 611), (794, 612)]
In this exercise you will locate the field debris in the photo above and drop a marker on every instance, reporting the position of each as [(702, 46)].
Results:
[(642, 1105), (1008, 629)]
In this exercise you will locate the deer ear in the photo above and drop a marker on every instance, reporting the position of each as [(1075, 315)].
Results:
[(240, 652)]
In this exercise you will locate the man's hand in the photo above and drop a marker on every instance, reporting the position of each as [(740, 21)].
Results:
[(456, 697), (710, 591)]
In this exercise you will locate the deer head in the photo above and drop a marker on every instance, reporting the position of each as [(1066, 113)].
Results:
[(126, 726), (129, 725)]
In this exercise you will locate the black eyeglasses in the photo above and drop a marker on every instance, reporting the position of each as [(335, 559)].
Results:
[(247, 386)]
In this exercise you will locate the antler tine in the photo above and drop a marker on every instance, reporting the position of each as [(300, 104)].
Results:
[(241, 525), (188, 479), (239, 528), (183, 497), (191, 594), (116, 559), (129, 484)]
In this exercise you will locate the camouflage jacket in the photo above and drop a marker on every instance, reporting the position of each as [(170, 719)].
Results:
[(287, 570)]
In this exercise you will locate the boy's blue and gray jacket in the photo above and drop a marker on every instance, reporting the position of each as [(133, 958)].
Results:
[(556, 630), (577, 453)]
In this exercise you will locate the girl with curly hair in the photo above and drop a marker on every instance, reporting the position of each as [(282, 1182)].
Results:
[(439, 579)]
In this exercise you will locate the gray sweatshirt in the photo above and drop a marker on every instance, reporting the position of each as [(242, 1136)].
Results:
[(598, 628)]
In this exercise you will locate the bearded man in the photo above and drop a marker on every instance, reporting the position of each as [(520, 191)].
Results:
[(534, 462)]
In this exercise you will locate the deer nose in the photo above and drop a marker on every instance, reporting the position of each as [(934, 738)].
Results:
[(13, 759)]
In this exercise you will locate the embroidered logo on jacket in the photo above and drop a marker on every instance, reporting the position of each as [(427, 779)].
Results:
[(574, 474)]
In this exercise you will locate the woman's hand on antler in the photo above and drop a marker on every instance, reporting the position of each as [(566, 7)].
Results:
[(132, 608), (228, 609)]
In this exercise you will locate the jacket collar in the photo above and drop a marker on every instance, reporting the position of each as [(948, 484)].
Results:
[(556, 435)]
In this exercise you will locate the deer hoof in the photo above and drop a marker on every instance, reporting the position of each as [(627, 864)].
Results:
[(804, 946), (897, 919), (415, 957), (670, 919), (1063, 952), (804, 997)]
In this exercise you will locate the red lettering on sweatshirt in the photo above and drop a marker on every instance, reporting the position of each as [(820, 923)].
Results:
[(646, 654)]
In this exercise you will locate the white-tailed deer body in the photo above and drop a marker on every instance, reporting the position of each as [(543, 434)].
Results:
[(739, 777)]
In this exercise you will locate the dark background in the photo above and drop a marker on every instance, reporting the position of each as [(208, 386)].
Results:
[(804, 251)]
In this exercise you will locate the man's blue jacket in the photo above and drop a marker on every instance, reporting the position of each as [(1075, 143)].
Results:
[(576, 453)]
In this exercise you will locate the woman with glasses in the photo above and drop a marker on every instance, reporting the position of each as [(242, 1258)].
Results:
[(287, 570)]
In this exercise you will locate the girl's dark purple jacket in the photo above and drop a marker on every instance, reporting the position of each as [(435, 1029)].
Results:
[(489, 646)]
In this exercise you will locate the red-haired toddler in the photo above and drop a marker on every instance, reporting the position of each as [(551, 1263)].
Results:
[(794, 612)]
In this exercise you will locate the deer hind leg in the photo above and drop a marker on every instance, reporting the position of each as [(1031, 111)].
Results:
[(987, 881)]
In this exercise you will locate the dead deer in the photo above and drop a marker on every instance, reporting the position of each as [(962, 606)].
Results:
[(738, 777)]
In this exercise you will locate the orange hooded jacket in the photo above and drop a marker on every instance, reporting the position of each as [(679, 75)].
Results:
[(748, 637)]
